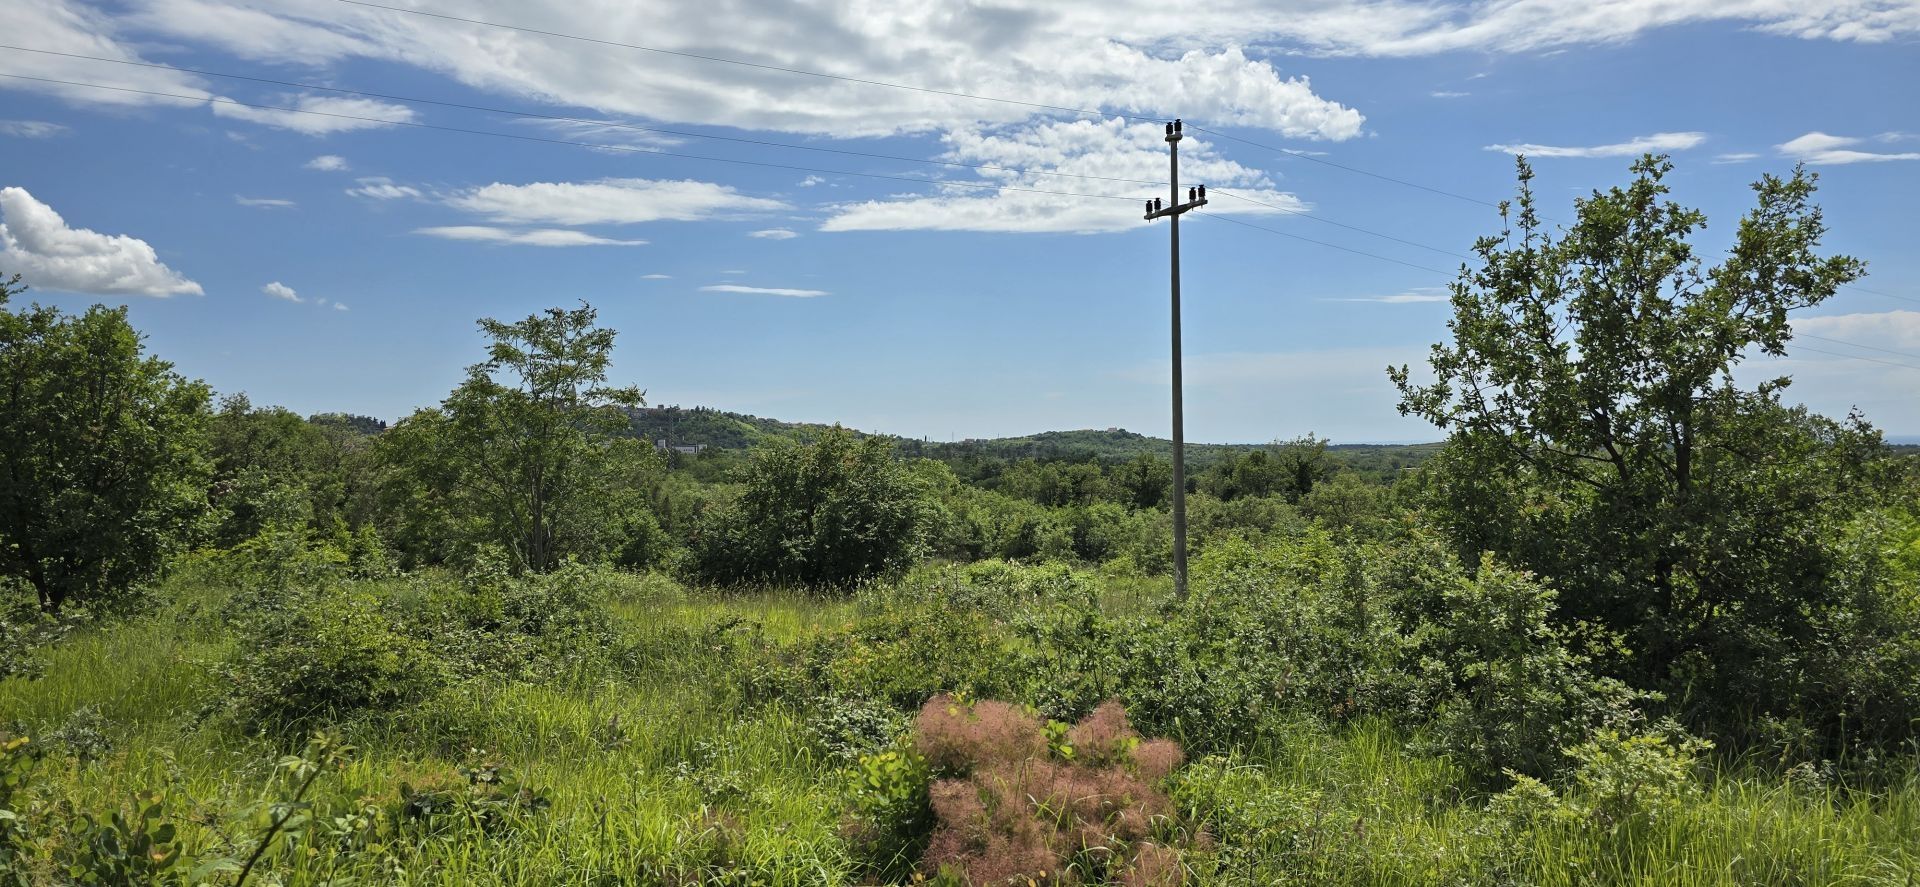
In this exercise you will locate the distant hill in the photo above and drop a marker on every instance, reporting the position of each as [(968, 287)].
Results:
[(716, 429), (719, 429)]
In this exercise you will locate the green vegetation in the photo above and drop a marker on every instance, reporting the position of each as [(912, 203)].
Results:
[(1631, 624)]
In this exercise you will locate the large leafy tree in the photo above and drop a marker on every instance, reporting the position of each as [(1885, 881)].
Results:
[(102, 465), (530, 452), (1599, 435)]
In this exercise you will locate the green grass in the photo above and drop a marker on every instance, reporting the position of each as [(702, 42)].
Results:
[(665, 776)]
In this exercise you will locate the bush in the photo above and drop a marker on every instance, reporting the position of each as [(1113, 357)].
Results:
[(826, 515), (1016, 806), (327, 653)]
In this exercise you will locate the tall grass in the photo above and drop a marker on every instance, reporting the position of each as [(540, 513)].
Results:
[(665, 776)]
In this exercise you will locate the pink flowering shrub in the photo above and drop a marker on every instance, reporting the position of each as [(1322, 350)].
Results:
[(1014, 807)]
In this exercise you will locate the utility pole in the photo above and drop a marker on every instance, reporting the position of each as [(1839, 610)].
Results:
[(1196, 198)]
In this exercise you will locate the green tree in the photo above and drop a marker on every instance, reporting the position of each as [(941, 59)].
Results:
[(1598, 436), (827, 515), (1143, 481), (102, 465), (529, 453)]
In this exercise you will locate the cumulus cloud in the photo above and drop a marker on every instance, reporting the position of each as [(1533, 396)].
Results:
[(32, 129), (774, 234), (309, 114), (280, 290), (607, 202), (763, 291), (532, 237), (382, 188), (47, 253), (1114, 148), (1033, 51), (1818, 147), (262, 202), (1656, 143), (328, 163)]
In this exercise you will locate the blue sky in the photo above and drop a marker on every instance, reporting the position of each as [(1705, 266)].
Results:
[(327, 263)]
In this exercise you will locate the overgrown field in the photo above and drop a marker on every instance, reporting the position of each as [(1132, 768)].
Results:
[(599, 727)]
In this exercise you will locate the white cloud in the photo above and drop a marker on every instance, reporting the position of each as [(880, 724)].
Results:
[(72, 27), (47, 253), (532, 237), (1034, 51), (811, 181), (328, 163), (262, 202), (1448, 94), (1818, 147), (656, 277), (774, 234), (339, 307), (763, 291), (1740, 157), (1897, 330), (349, 113), (382, 188), (1412, 296), (1110, 148), (32, 129), (607, 202), (280, 290), (1657, 143)]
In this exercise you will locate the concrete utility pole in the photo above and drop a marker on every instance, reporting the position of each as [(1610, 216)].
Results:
[(1196, 198)]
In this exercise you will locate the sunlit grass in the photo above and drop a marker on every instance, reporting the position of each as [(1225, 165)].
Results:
[(663, 776)]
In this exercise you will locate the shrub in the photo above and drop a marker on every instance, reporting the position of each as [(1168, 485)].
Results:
[(328, 653), (826, 515), (1013, 806)]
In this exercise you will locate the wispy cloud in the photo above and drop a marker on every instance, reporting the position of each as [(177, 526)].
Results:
[(1738, 157), (1448, 94), (763, 291), (328, 163), (382, 188), (262, 202), (529, 237), (1818, 147), (32, 129), (656, 277), (1412, 296), (1659, 141), (774, 234)]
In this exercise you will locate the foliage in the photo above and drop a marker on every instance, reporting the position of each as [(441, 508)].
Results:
[(825, 515), (102, 448), (529, 453), (326, 652), (1012, 807), (1599, 438)]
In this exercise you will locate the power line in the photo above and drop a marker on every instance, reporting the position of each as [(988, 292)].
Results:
[(578, 144), (1890, 363), (1089, 112), (746, 64), (1858, 345), (1869, 292), (564, 119), (1342, 224), (1321, 243), (1352, 169)]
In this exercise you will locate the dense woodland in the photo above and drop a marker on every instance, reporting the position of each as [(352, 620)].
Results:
[(1631, 622)]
